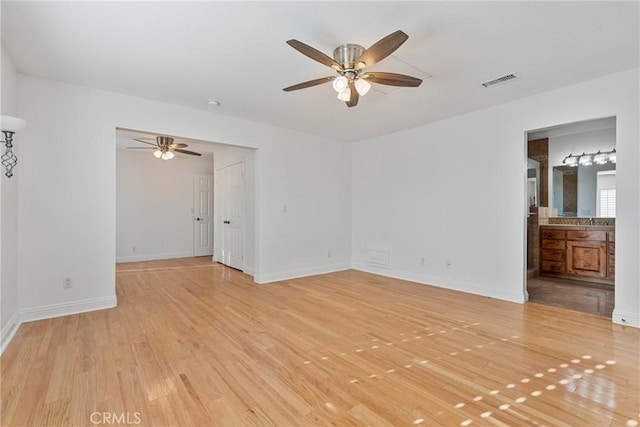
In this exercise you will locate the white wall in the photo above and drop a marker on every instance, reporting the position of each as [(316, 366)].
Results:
[(455, 190), (314, 184), (68, 191), (154, 204), (577, 143), (9, 212)]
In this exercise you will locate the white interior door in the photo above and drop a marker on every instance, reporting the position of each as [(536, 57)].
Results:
[(203, 214), (231, 185)]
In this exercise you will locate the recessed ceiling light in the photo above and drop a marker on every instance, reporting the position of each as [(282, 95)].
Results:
[(214, 102)]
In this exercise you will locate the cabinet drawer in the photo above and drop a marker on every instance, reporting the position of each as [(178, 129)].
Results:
[(553, 234), (552, 267), (600, 236), (553, 254), (553, 244)]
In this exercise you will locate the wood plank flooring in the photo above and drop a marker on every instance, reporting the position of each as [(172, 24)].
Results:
[(193, 343)]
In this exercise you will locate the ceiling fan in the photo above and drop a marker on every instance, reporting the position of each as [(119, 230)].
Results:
[(350, 61), (164, 147)]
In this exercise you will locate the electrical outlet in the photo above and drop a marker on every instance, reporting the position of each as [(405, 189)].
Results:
[(422, 261), (66, 283), (329, 253), (134, 249), (449, 264)]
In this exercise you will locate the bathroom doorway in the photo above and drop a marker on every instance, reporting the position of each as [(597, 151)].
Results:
[(571, 216)]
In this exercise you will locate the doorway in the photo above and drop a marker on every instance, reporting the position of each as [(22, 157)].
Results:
[(571, 231)]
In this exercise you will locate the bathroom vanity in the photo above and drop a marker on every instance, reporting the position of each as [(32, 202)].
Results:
[(584, 250)]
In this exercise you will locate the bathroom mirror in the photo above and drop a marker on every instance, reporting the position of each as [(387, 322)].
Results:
[(582, 190)]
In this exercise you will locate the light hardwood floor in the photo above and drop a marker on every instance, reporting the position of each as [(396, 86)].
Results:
[(193, 343)]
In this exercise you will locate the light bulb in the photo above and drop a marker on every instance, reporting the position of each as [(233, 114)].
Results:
[(340, 83), (571, 161), (613, 156), (586, 159), (362, 86), (157, 153), (345, 95), (600, 158), (167, 156)]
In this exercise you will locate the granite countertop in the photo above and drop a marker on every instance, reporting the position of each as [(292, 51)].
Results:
[(579, 227)]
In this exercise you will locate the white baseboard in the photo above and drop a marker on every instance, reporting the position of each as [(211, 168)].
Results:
[(153, 257), (446, 283), (626, 318), (295, 274), (50, 311), (9, 330), (67, 308), (249, 270)]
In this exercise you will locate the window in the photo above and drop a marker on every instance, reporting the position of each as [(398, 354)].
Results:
[(606, 182), (607, 202)]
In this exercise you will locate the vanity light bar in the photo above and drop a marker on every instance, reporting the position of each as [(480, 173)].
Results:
[(585, 159)]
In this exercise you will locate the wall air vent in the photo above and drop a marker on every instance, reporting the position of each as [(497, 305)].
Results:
[(499, 80)]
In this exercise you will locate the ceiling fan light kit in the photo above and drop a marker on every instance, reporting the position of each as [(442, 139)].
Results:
[(167, 155), (349, 61)]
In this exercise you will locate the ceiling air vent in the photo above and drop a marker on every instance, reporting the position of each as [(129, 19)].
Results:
[(499, 80)]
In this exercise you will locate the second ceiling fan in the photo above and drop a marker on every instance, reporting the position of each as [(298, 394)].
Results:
[(164, 147), (349, 61)]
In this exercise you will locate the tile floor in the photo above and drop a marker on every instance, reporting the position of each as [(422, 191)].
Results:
[(592, 298)]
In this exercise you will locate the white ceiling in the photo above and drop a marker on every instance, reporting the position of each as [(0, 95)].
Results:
[(188, 52)]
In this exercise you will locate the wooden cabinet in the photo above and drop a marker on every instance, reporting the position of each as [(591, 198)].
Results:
[(578, 253), (600, 236), (552, 251), (587, 259)]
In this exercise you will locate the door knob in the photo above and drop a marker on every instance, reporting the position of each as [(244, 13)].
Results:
[(198, 219)]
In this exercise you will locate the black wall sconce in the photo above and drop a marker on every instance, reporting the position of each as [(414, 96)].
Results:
[(10, 125)]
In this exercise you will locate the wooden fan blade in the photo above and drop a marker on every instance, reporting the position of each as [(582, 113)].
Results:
[(178, 145), (381, 49), (145, 142), (392, 79), (314, 54), (310, 83), (142, 148), (192, 153), (355, 96)]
